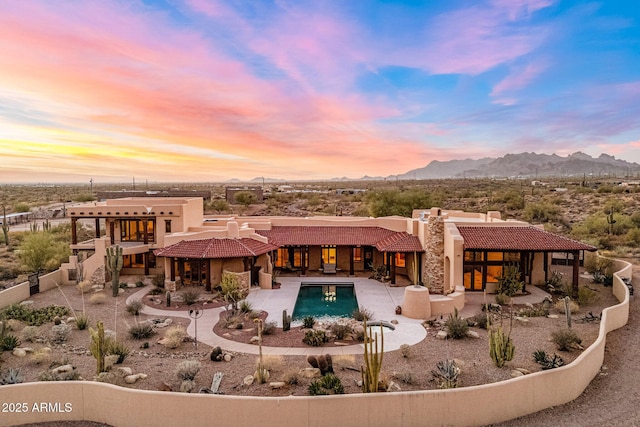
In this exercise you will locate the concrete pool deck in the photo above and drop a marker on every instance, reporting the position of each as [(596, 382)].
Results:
[(379, 298)]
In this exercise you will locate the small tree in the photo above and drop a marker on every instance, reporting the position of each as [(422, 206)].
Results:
[(41, 251), (231, 290), (244, 198)]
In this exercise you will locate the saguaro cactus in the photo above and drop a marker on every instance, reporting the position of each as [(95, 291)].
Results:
[(286, 321), (114, 265), (5, 226), (372, 360), (98, 346)]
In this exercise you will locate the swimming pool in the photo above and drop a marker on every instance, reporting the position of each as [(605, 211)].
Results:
[(325, 300)]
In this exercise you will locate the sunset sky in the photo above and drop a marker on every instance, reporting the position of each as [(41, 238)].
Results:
[(209, 90)]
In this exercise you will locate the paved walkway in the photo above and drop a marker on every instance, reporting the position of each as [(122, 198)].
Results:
[(377, 297)]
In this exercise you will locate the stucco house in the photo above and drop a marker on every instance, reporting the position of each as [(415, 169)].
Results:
[(450, 252)]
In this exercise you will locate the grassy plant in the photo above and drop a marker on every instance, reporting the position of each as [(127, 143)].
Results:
[(566, 339), (156, 291), (404, 377), (480, 320), (291, 376), (340, 330), (559, 305), (245, 307), (98, 298), (40, 357), (269, 327), (119, 349), (30, 333), (174, 336), (141, 331), (134, 307), (308, 322), (405, 351), (361, 314), (586, 295), (457, 327), (82, 321), (190, 296), (187, 370)]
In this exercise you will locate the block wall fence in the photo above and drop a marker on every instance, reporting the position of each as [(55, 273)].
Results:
[(467, 406)]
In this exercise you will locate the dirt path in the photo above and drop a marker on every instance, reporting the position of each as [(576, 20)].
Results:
[(613, 396)]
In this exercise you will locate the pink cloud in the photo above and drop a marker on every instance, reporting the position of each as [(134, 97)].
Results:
[(519, 78)]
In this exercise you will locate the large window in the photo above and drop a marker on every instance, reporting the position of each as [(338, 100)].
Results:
[(132, 230), (137, 261), (291, 257), (357, 254), (482, 267), (328, 255)]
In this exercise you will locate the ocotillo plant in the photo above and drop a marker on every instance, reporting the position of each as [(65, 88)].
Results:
[(98, 346), (372, 360), (114, 265)]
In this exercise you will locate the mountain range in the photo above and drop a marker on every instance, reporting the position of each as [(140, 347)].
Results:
[(522, 165), (528, 165)]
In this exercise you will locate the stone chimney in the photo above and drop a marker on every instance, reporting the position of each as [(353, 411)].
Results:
[(233, 231), (433, 272)]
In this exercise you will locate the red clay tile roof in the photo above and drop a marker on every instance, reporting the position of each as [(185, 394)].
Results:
[(400, 242), (519, 238), (215, 248), (390, 241)]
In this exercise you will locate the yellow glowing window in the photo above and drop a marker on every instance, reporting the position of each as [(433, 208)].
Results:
[(400, 259)]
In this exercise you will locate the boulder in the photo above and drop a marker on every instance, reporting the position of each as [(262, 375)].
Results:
[(515, 373), (216, 354), (228, 357), (322, 362), (125, 370), (18, 352), (62, 369), (248, 380), (164, 387), (277, 385), (442, 335), (254, 340), (130, 379), (310, 373), (472, 334)]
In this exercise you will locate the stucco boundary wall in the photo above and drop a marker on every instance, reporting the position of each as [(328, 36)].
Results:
[(492, 403)]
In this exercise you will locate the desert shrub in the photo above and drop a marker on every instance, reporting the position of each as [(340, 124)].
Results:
[(308, 322), (542, 358), (405, 350), (82, 321), (573, 306), (404, 377), (586, 295), (446, 373), (361, 314), (328, 384), (30, 333), (271, 362), (340, 331), (98, 298), (555, 282), (566, 339), (141, 331), (479, 320), (40, 357), (541, 212), (314, 338), (269, 327), (84, 286), (291, 376), (245, 307), (190, 296), (158, 281), (118, 348), (187, 370), (502, 299), (174, 336), (538, 310), (60, 333), (134, 307), (8, 342), (156, 291), (457, 327), (509, 283), (187, 386)]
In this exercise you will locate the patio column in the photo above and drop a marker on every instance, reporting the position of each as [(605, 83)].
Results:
[(112, 231), (576, 273), (545, 262), (97, 228), (145, 256), (146, 231), (351, 261), (74, 231), (172, 274), (304, 256), (207, 272), (393, 267)]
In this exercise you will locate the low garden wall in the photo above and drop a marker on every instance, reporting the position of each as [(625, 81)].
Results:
[(467, 406)]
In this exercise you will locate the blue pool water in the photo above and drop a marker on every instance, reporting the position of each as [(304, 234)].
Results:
[(325, 300)]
